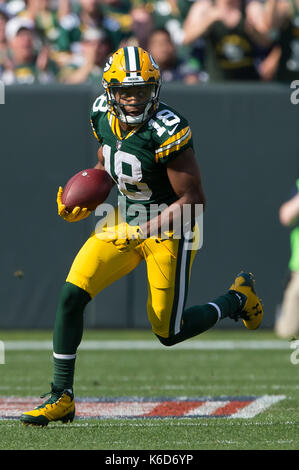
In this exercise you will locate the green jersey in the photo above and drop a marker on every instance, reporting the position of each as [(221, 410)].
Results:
[(230, 52), (137, 161)]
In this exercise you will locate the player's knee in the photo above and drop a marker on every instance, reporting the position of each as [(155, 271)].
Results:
[(170, 341), (159, 325), (72, 297)]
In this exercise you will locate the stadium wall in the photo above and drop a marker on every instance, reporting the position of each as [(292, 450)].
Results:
[(247, 144)]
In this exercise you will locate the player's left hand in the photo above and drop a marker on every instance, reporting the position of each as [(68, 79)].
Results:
[(124, 236)]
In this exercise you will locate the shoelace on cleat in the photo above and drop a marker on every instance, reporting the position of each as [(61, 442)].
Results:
[(54, 397)]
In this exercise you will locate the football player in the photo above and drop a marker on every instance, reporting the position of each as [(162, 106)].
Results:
[(146, 147)]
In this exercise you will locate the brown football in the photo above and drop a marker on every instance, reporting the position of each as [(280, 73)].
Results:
[(88, 188)]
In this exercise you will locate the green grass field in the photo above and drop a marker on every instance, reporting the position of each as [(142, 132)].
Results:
[(161, 372)]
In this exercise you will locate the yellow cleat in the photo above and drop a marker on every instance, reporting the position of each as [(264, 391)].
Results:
[(59, 407), (252, 310)]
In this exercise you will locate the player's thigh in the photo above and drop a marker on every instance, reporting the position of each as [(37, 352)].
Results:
[(169, 266), (98, 264)]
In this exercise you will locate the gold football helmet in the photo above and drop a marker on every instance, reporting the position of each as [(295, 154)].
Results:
[(128, 67)]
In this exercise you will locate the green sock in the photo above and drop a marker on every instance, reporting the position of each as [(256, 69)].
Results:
[(228, 304), (201, 318), (68, 331), (64, 370)]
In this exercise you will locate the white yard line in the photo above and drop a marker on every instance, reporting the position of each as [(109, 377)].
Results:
[(257, 406), (131, 345)]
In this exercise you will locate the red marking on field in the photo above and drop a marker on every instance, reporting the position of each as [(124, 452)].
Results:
[(244, 407), (230, 408), (173, 408)]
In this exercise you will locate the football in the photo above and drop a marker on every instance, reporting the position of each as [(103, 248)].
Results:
[(88, 188)]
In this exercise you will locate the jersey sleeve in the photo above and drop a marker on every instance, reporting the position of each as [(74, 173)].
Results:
[(99, 108), (173, 134)]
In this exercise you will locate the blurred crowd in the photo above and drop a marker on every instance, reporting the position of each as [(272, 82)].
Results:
[(69, 41)]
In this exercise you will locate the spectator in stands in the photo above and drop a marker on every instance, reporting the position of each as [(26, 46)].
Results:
[(283, 15), (90, 16), (142, 25), (166, 14), (96, 48), (26, 66), (163, 50), (13, 7), (287, 324), (90, 13), (231, 36), (48, 26), (120, 12)]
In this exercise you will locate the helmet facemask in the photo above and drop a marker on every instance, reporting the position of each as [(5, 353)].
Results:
[(147, 108)]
